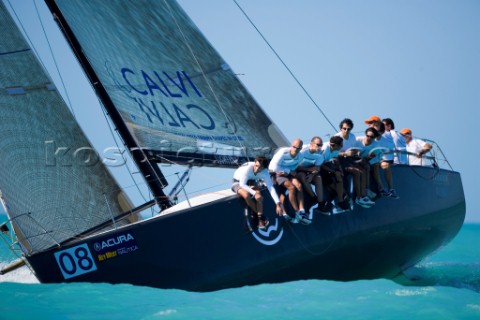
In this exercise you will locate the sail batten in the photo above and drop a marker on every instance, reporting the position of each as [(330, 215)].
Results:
[(14, 52)]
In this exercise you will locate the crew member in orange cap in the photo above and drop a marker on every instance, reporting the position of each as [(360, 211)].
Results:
[(373, 119), (405, 131), (416, 148)]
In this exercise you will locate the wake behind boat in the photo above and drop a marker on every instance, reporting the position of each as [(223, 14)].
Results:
[(173, 99)]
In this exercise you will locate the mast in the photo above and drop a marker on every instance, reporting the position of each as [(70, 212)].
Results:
[(151, 172)]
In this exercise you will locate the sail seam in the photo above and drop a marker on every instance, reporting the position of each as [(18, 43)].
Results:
[(203, 74)]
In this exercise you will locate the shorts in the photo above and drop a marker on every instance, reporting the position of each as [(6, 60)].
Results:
[(251, 183), (235, 187), (309, 175), (282, 178)]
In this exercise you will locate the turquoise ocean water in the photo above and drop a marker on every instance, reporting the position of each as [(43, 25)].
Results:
[(447, 286)]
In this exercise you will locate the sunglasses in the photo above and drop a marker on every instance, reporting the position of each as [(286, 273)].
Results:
[(319, 144), (298, 148), (369, 136), (348, 129)]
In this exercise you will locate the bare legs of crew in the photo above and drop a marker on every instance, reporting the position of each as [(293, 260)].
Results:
[(387, 171), (376, 175), (255, 205), (295, 194), (360, 186), (307, 182), (359, 181)]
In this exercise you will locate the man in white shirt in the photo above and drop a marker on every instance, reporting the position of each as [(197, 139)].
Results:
[(349, 140), (253, 173), (416, 148), (283, 164), (398, 140), (332, 173), (348, 157), (386, 158), (308, 172), (367, 149)]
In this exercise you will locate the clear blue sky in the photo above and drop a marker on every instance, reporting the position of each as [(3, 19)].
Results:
[(416, 62)]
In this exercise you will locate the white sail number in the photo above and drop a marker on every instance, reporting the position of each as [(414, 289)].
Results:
[(75, 261)]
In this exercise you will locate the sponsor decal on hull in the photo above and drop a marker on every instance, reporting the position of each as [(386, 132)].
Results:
[(75, 261), (271, 235), (79, 260), (114, 246)]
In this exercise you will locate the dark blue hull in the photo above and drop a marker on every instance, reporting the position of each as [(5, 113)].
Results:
[(209, 247)]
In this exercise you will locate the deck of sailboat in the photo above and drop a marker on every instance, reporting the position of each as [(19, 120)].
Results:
[(199, 200)]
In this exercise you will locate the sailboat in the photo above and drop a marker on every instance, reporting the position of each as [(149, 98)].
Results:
[(173, 99)]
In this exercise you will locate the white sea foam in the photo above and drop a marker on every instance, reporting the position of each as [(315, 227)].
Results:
[(165, 312), (413, 292), (20, 275), (474, 306)]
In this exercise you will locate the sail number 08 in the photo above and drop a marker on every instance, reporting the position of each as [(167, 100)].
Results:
[(75, 261)]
